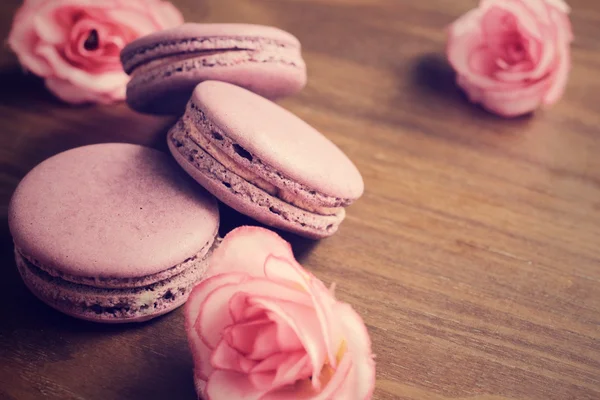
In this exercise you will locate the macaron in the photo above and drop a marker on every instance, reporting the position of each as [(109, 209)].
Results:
[(166, 66), (112, 232), (264, 161)]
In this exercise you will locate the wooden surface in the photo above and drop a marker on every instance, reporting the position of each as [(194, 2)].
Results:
[(474, 255)]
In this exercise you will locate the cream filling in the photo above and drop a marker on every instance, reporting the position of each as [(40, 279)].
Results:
[(151, 65), (226, 57), (196, 136)]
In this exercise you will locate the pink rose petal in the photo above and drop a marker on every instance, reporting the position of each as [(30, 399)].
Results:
[(224, 357), (305, 324), (214, 315), (246, 249), (242, 336), (223, 385), (280, 370), (563, 67), (281, 270), (240, 310), (275, 338), (200, 351), (358, 345)]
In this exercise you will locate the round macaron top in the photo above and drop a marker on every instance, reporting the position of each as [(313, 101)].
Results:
[(111, 210), (191, 31), (279, 139)]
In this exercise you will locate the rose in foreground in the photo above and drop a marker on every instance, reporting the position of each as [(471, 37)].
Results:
[(261, 327), (512, 56), (75, 44)]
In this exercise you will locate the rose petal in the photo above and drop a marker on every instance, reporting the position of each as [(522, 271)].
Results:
[(561, 73), (48, 24), (466, 24), (459, 50), (226, 358), (516, 102), (336, 385), (560, 5), (214, 315), (167, 15), (304, 322), (104, 58), (199, 384), (103, 83), (240, 310), (23, 39), (245, 249), (358, 345), (482, 61), (498, 28), (280, 370), (277, 337), (232, 385), (242, 336), (294, 368), (200, 352), (141, 23), (527, 19), (286, 271), (335, 388), (70, 93), (282, 270), (535, 9)]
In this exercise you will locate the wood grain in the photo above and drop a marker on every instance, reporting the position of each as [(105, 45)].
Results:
[(474, 255)]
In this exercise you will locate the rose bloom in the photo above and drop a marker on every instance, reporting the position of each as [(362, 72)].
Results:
[(75, 44), (512, 56), (261, 327)]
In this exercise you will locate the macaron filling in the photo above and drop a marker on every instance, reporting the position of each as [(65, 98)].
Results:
[(112, 303), (167, 66), (210, 168), (108, 282), (196, 46), (202, 141)]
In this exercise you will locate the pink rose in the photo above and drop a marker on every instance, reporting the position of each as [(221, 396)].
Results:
[(512, 56), (261, 327), (75, 44)]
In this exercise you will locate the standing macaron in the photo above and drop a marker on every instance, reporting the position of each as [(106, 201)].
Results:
[(166, 66), (264, 161), (112, 232)]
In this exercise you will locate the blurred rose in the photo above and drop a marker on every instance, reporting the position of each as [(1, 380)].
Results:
[(75, 44), (512, 56), (261, 327)]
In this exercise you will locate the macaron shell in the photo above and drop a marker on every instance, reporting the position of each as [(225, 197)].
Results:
[(111, 210), (279, 139), (155, 92)]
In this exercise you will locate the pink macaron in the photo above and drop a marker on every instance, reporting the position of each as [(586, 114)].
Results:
[(264, 161), (112, 232), (166, 66)]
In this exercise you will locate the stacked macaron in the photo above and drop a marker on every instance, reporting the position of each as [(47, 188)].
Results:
[(120, 233), (249, 152)]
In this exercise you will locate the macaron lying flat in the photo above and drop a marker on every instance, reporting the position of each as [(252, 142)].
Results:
[(264, 161), (112, 232), (166, 66)]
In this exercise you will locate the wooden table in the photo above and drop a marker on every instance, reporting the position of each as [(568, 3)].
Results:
[(474, 255)]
